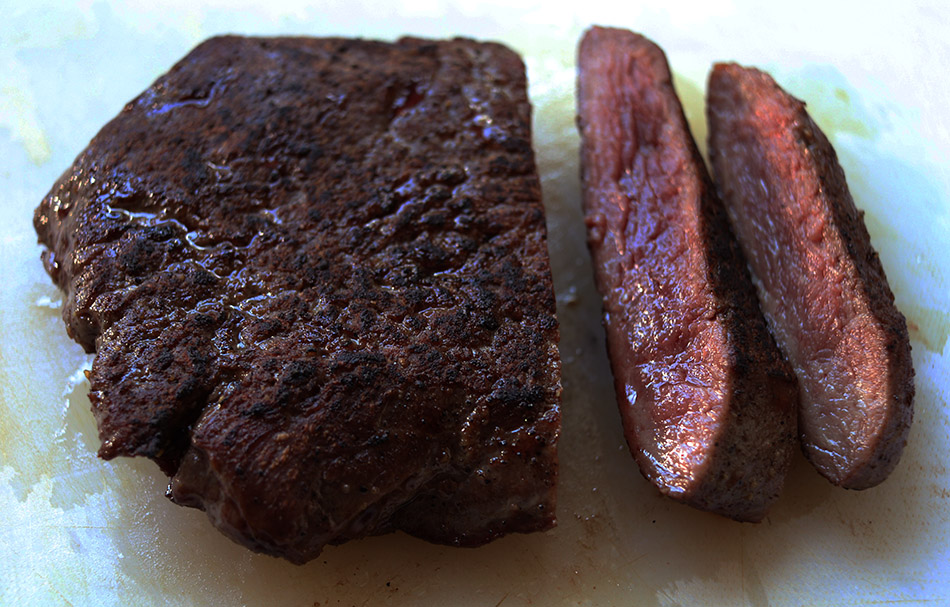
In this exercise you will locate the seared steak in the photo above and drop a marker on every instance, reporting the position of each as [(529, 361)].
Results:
[(315, 274), (708, 403), (820, 281)]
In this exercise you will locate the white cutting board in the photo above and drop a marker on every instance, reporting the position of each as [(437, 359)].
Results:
[(78, 531)]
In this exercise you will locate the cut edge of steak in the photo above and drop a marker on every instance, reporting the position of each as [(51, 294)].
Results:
[(707, 401), (315, 274), (820, 281)]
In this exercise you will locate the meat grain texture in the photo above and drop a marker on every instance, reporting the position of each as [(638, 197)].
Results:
[(315, 275), (707, 402), (820, 280)]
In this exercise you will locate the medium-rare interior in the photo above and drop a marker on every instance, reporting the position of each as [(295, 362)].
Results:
[(819, 279), (707, 401)]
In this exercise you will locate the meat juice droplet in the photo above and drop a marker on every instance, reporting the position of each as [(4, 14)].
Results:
[(193, 102)]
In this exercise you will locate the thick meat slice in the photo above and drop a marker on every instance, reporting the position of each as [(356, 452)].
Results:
[(315, 272), (706, 399), (820, 281)]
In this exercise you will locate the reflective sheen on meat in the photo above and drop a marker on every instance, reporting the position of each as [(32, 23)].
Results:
[(820, 281), (708, 403), (315, 274)]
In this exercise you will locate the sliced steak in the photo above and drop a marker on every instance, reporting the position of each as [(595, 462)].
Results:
[(316, 277), (708, 403), (820, 281)]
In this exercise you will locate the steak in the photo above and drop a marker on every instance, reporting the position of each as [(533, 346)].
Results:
[(708, 403), (315, 274), (820, 281)]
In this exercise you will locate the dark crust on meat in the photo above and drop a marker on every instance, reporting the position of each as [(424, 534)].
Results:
[(857, 403), (315, 274), (707, 401)]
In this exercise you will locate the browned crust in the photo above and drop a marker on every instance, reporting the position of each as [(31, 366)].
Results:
[(315, 273), (706, 399), (758, 133)]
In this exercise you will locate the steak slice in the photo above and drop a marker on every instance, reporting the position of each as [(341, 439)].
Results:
[(708, 403), (315, 274), (820, 281)]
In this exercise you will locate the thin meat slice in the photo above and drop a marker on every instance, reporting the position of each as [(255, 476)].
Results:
[(319, 290), (708, 403), (820, 281)]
